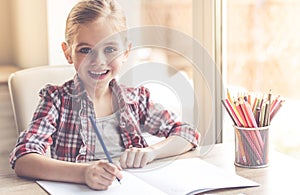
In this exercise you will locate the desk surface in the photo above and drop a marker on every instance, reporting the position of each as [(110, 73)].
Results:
[(278, 178)]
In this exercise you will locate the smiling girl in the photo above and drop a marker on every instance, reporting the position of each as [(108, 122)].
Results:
[(96, 47)]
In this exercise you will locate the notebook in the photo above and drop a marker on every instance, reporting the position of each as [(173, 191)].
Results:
[(182, 176)]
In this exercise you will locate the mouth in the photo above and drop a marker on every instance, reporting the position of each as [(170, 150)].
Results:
[(98, 75)]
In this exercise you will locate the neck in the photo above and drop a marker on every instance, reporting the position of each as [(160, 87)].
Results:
[(98, 94), (103, 104)]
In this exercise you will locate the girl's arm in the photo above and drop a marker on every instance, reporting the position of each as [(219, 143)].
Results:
[(98, 175), (139, 157), (173, 145), (180, 137)]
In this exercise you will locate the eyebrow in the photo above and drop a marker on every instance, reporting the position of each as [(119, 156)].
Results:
[(111, 43), (104, 44), (82, 44)]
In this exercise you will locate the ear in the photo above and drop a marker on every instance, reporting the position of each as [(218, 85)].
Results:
[(126, 52), (66, 51)]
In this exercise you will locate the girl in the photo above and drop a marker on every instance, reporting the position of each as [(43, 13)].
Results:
[(121, 113)]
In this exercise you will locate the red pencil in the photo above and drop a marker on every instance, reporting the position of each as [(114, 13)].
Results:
[(275, 110), (243, 110), (229, 113), (234, 114)]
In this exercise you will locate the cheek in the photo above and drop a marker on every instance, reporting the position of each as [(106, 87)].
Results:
[(78, 62), (116, 64), (77, 65)]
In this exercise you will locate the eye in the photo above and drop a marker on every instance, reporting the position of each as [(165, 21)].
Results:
[(85, 50), (110, 49)]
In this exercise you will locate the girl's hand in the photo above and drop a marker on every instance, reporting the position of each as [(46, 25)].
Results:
[(101, 174), (136, 157)]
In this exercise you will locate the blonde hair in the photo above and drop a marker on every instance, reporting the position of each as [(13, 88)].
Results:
[(90, 10)]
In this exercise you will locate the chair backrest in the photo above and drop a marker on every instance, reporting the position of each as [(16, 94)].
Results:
[(24, 86)]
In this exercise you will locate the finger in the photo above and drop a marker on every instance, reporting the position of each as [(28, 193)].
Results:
[(112, 171), (144, 160), (107, 175), (137, 160), (118, 165), (108, 166), (104, 170), (123, 160), (98, 186), (102, 180), (98, 181), (130, 158)]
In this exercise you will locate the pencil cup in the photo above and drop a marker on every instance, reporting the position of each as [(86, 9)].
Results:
[(251, 147)]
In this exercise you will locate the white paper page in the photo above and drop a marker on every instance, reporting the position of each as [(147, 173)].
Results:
[(129, 185), (186, 175)]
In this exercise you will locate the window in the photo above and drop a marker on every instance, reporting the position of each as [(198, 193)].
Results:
[(196, 20), (262, 53)]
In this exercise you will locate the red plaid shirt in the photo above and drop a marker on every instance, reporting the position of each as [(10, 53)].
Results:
[(61, 122)]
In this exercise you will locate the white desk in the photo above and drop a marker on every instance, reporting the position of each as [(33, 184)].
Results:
[(278, 178)]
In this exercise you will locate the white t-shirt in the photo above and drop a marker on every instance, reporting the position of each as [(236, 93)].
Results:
[(109, 129)]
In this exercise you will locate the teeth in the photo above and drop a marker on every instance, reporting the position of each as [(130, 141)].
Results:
[(99, 73)]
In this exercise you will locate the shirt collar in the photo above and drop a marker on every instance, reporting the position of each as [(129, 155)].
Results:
[(118, 93), (76, 88), (79, 91)]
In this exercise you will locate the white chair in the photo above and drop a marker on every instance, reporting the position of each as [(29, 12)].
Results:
[(24, 86)]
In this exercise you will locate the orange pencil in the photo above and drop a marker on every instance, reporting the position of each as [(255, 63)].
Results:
[(254, 105), (249, 98), (241, 114)]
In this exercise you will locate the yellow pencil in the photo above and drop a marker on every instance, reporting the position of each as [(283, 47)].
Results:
[(229, 96)]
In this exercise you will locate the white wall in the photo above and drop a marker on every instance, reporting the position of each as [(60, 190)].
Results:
[(5, 33), (57, 12), (132, 12), (29, 37)]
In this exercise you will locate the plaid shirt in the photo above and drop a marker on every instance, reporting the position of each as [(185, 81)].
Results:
[(61, 122)]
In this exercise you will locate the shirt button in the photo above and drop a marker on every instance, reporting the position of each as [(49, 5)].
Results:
[(123, 124)]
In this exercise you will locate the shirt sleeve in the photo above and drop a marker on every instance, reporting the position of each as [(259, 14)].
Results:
[(37, 138), (161, 122)]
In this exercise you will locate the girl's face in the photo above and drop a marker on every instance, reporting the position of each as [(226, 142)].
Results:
[(96, 54)]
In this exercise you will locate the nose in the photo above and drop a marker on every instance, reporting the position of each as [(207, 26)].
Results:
[(98, 58)]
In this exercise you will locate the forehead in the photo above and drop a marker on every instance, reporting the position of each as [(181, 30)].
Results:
[(96, 32)]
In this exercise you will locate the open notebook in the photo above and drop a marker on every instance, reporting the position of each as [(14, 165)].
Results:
[(183, 176)]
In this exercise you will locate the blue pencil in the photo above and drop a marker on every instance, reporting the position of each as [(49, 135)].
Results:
[(102, 143)]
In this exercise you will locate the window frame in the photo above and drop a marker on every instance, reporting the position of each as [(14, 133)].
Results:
[(207, 29)]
